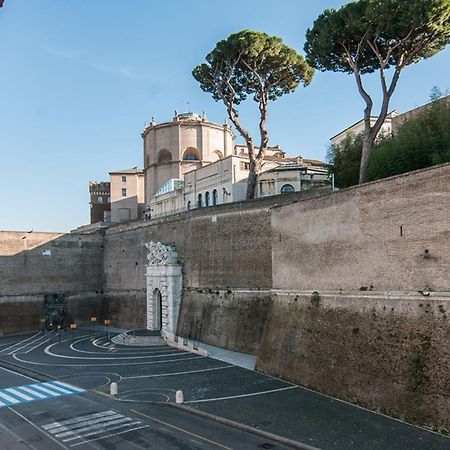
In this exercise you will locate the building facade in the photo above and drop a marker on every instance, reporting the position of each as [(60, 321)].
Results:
[(172, 149), (127, 194), (99, 193)]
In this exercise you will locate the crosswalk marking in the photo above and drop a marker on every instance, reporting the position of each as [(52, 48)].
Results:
[(8, 398), (38, 391), (60, 389), (19, 394), (78, 419), (82, 429), (84, 423), (31, 391)]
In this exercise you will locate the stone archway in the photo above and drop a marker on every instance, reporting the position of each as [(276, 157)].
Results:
[(164, 284)]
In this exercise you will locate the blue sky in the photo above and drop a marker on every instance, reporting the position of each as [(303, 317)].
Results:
[(79, 79)]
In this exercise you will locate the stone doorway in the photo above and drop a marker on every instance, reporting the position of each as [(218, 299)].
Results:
[(164, 284)]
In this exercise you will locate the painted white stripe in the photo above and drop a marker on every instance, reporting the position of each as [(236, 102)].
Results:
[(241, 395), (21, 342), (58, 388), (37, 428), (145, 363), (77, 419), (85, 423), (100, 426), (68, 386), (19, 394), (178, 373), (16, 350), (48, 351), (47, 391), (36, 346), (8, 398), (110, 435), (30, 391), (2, 404), (17, 373)]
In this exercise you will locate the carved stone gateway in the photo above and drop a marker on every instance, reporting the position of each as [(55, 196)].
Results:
[(164, 284)]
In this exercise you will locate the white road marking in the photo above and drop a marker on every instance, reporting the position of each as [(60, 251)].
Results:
[(242, 395), (84, 423), (77, 419), (100, 357), (35, 426), (57, 388), (31, 391), (2, 404), (8, 398), (178, 373), (36, 346), (19, 374), (111, 434), (18, 343), (47, 391), (100, 427), (16, 350), (19, 394), (69, 386), (35, 363)]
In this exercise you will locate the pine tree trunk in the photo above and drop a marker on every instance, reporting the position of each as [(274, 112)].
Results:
[(255, 170)]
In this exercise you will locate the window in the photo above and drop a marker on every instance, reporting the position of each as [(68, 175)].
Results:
[(287, 188), (245, 165), (207, 199), (164, 156), (191, 154), (214, 197), (124, 192), (99, 199), (200, 200), (124, 179), (189, 205)]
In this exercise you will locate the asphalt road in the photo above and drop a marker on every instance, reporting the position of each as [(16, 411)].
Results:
[(36, 413), (148, 378)]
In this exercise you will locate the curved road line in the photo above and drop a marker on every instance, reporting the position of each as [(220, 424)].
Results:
[(105, 365), (160, 355)]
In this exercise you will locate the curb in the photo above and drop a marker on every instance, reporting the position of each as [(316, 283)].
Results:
[(240, 426)]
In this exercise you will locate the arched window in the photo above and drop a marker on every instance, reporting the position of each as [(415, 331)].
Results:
[(216, 155), (287, 188), (207, 199), (99, 199), (164, 156), (200, 200), (214, 197), (191, 154), (189, 205)]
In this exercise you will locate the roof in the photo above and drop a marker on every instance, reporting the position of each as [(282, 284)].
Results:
[(132, 171)]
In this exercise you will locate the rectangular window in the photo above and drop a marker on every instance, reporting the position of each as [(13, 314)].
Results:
[(124, 192), (124, 179), (245, 165)]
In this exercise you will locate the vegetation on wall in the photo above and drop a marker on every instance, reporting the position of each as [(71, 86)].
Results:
[(421, 142), (372, 36)]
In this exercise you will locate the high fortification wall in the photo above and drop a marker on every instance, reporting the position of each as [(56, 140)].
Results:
[(216, 253), (361, 294), (34, 264)]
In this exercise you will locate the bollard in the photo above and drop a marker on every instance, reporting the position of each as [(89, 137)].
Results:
[(179, 396), (113, 389)]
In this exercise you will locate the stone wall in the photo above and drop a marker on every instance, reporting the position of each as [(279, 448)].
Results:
[(358, 312), (232, 319), (367, 237), (388, 353), (33, 264)]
